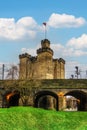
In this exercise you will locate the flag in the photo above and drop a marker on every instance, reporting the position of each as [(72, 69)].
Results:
[(44, 23)]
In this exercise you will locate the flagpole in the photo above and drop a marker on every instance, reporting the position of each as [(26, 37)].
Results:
[(45, 31)]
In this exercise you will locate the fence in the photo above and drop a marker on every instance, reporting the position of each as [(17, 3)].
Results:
[(72, 70)]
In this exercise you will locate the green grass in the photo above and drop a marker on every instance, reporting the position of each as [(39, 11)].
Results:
[(28, 118)]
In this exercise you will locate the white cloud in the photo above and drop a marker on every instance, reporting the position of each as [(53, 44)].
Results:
[(57, 47), (27, 22), (65, 20), (31, 51), (27, 28), (75, 53), (24, 28), (78, 43), (65, 51), (75, 47), (60, 50)]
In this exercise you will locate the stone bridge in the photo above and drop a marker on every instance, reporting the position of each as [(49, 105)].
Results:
[(47, 94)]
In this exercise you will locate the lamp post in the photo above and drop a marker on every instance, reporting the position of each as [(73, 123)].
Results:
[(77, 72), (3, 69)]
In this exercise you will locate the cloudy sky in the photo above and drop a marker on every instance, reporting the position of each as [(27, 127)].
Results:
[(21, 28)]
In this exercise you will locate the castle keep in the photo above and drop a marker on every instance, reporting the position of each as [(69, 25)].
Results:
[(42, 66), (51, 90)]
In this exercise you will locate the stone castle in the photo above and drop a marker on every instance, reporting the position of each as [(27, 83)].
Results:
[(42, 66)]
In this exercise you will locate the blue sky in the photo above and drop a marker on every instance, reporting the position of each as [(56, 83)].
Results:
[(21, 28)]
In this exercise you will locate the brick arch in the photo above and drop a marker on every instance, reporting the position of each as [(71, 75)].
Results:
[(11, 98), (45, 93), (81, 96)]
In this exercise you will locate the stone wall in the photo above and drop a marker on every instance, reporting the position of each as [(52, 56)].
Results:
[(43, 66)]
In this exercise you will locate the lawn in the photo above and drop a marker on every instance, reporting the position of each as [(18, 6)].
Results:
[(28, 118)]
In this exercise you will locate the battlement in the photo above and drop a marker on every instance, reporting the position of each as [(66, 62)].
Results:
[(26, 55), (40, 50), (42, 66), (33, 58), (45, 43), (61, 60), (45, 47)]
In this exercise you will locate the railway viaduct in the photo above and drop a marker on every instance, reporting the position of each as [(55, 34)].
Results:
[(47, 94)]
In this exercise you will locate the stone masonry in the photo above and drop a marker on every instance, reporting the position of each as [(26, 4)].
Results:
[(42, 66)]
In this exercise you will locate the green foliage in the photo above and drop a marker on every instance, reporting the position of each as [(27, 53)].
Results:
[(49, 83), (28, 118)]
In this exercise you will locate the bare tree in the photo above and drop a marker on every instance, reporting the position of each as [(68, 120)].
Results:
[(12, 72), (27, 89)]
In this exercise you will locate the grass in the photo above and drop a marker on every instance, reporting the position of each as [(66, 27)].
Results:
[(28, 118)]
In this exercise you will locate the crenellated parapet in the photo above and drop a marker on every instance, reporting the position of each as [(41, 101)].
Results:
[(25, 55), (42, 66), (45, 43), (41, 50), (45, 47), (61, 60)]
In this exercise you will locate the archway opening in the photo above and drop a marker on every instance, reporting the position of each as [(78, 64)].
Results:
[(71, 103), (13, 99), (46, 100), (76, 100)]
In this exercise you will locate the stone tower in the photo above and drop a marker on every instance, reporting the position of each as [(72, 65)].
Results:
[(43, 66)]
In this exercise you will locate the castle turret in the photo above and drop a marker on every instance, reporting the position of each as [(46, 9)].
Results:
[(45, 60), (45, 52), (45, 43), (24, 59), (62, 68)]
